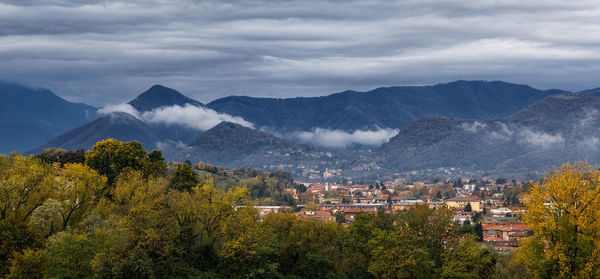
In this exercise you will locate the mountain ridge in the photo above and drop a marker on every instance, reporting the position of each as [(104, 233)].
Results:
[(387, 107), (30, 116), (117, 125), (556, 129)]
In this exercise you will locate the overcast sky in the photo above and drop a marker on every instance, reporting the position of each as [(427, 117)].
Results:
[(107, 52)]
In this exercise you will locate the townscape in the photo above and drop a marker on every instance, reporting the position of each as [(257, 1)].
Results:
[(491, 209), (299, 139), (120, 211)]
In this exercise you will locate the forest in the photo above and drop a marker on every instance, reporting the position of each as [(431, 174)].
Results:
[(118, 211)]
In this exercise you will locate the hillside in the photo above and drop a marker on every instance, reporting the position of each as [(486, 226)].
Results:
[(31, 116), (232, 145), (558, 128), (117, 125), (388, 107)]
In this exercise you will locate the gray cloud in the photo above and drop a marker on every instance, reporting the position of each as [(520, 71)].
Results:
[(190, 116), (340, 139), (106, 52)]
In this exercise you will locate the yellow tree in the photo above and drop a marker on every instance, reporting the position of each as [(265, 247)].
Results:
[(564, 213), (210, 207), (25, 184), (77, 190)]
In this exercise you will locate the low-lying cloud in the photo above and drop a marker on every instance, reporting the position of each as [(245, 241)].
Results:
[(127, 108), (524, 135), (341, 139), (541, 139), (473, 127), (190, 116)]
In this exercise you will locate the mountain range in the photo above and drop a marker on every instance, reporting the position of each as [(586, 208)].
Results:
[(232, 145), (472, 125), (31, 116), (391, 107), (554, 130)]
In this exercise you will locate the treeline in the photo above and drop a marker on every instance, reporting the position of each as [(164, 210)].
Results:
[(120, 215)]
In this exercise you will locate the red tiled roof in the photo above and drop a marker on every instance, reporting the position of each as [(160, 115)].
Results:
[(507, 227)]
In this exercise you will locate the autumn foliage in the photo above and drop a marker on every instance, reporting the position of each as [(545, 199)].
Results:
[(120, 215)]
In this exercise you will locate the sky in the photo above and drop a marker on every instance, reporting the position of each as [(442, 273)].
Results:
[(108, 52)]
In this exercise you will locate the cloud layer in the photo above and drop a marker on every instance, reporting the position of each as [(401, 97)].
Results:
[(189, 116), (106, 52), (202, 119), (340, 139)]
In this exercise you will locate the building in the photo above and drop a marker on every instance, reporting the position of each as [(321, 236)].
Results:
[(263, 210), (461, 202), (501, 212), (322, 215), (505, 237)]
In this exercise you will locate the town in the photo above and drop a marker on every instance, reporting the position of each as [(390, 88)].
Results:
[(491, 209)]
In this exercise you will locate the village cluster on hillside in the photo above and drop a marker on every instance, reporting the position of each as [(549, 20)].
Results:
[(491, 209)]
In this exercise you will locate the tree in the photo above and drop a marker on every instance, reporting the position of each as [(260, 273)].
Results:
[(478, 230), (155, 164), (184, 178), (57, 155), (77, 190), (468, 260), (31, 264), (434, 226), (25, 184), (563, 212), (70, 256), (466, 228), (398, 254), (468, 207), (112, 157)]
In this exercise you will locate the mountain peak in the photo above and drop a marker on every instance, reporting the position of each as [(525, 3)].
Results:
[(228, 125), (118, 125), (161, 96)]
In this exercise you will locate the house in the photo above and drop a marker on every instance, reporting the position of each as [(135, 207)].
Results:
[(501, 212), (506, 236), (264, 210), (462, 216), (322, 215), (461, 202), (349, 213)]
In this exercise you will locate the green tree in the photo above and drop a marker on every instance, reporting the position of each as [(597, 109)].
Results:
[(398, 254), (478, 230), (57, 155), (468, 208), (31, 264), (184, 178), (435, 227), (466, 228), (70, 256), (468, 260)]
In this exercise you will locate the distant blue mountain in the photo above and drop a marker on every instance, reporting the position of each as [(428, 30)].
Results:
[(117, 125), (160, 96), (550, 132), (31, 116), (391, 107)]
